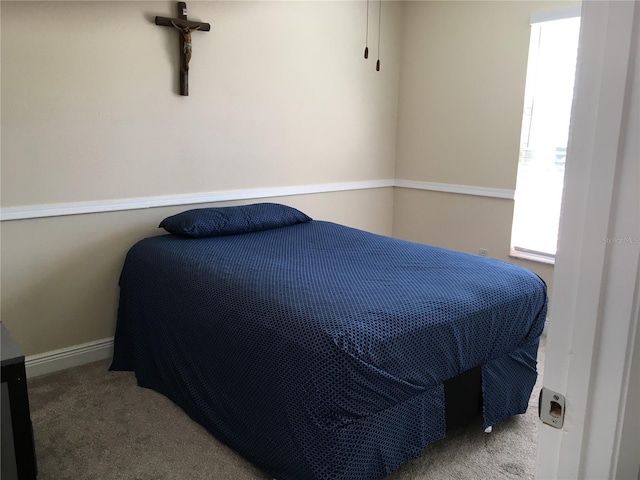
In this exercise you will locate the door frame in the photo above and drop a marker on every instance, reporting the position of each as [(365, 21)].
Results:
[(594, 311)]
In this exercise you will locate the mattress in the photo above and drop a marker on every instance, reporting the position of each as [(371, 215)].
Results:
[(320, 351)]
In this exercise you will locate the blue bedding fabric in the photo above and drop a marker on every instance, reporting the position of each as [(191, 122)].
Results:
[(319, 351)]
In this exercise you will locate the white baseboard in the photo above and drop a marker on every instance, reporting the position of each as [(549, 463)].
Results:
[(63, 358), (545, 329)]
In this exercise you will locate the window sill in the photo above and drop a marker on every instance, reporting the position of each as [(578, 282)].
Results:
[(532, 257)]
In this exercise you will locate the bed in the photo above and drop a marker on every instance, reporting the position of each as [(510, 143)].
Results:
[(320, 351)]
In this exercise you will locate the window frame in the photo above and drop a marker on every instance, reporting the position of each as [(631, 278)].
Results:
[(520, 252)]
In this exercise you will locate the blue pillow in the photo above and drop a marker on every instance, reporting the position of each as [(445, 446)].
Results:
[(215, 222)]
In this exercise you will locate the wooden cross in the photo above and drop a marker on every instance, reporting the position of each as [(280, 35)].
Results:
[(185, 27)]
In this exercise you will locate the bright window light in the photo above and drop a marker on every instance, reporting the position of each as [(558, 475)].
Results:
[(545, 129)]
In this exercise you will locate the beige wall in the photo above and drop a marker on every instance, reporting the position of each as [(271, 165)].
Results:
[(460, 110), (280, 96), (60, 274)]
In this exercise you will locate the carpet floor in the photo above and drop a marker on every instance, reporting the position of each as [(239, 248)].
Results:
[(92, 424)]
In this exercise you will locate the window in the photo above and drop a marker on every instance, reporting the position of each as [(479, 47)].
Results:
[(549, 86)]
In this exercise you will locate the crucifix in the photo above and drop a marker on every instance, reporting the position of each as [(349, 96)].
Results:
[(185, 28)]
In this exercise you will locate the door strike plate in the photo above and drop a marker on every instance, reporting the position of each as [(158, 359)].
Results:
[(551, 407)]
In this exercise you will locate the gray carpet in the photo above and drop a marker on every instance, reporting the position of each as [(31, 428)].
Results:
[(90, 423)]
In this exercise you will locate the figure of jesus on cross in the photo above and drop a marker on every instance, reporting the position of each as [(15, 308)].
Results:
[(185, 27)]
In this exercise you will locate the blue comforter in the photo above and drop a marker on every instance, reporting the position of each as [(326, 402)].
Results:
[(319, 351)]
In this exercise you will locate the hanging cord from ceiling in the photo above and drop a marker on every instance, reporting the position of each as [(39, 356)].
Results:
[(366, 41), (379, 29)]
